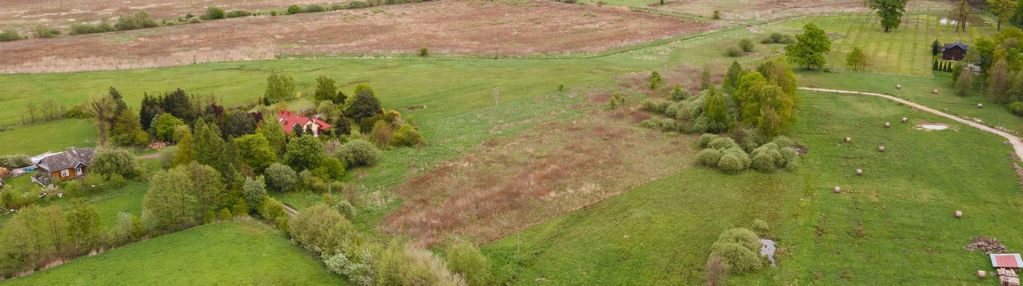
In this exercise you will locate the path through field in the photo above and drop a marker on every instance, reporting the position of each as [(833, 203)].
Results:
[(1017, 145)]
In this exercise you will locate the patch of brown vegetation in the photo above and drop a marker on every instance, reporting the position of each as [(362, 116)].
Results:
[(985, 244), (511, 183), (63, 13), (447, 26), (687, 76)]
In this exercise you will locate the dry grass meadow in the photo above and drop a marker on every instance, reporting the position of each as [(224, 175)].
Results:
[(63, 13), (449, 27)]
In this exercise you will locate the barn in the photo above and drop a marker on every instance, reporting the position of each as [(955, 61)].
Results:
[(954, 51)]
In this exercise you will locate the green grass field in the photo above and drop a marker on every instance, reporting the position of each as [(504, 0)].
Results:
[(229, 253), (50, 136), (894, 225), (919, 90)]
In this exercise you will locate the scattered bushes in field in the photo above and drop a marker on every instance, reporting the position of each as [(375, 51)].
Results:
[(746, 45), (213, 13), (466, 260), (238, 13), (731, 157), (779, 38), (139, 20), (358, 153), (8, 35), (89, 28), (733, 52), (43, 31), (739, 249), (294, 9)]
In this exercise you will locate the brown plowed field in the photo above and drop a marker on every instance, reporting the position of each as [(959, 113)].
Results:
[(449, 27)]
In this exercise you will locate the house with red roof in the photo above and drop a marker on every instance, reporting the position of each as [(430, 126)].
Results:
[(289, 119)]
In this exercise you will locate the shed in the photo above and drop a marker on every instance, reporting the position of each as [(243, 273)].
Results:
[(954, 51), (1006, 260)]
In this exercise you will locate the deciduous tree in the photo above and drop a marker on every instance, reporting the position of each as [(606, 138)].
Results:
[(1002, 9), (890, 12), (810, 48), (856, 60)]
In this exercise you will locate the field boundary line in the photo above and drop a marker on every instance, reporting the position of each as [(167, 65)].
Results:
[(1017, 145)]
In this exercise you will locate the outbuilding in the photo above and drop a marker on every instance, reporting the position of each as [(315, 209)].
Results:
[(954, 51)]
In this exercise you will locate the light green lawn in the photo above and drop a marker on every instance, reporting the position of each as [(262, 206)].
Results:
[(50, 136), (894, 225), (243, 252)]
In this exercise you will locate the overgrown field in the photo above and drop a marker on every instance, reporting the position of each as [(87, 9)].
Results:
[(893, 225), (243, 252)]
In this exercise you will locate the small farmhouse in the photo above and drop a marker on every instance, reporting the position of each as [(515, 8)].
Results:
[(63, 166), (288, 121), (954, 51)]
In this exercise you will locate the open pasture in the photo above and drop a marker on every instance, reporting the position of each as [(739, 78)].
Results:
[(243, 252), (892, 225)]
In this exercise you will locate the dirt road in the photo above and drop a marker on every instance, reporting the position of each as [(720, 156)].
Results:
[(1017, 145)]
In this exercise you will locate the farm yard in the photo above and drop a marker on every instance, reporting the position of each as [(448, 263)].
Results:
[(558, 141)]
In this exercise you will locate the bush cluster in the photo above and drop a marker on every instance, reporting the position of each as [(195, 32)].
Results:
[(358, 153), (88, 28), (731, 157), (1016, 108), (15, 161), (43, 31), (139, 20), (7, 35), (739, 248), (779, 38)]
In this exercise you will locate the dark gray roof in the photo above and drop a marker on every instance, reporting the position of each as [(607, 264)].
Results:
[(956, 44), (69, 159)]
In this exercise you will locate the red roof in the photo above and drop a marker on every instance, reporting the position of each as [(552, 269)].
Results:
[(288, 120), (1011, 260)]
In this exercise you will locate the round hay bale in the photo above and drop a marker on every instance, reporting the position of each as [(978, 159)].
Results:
[(934, 91), (980, 105), (887, 125), (959, 214), (981, 274), (904, 120), (881, 148), (859, 172), (898, 86), (847, 139), (838, 189)]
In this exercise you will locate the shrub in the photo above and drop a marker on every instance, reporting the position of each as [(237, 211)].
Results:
[(194, 21), (273, 210), (783, 141), (238, 13), (764, 163), (382, 132), (294, 9), (465, 259), (404, 265), (341, 205), (357, 153), (407, 135), (742, 236), (314, 8), (738, 258), (679, 93), (86, 28), (15, 161), (730, 163), (139, 20), (706, 138), (709, 157), (1016, 108), (109, 162), (655, 80), (760, 227), (254, 191), (281, 178), (213, 13), (746, 45), (733, 52), (322, 229), (722, 143), (424, 52), (7, 35), (43, 31), (357, 5)]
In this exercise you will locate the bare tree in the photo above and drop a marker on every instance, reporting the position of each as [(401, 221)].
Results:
[(103, 110), (960, 13)]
